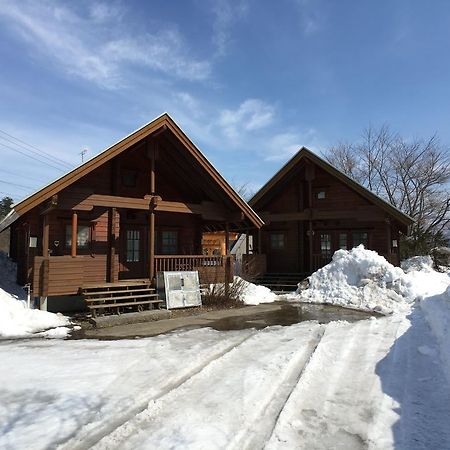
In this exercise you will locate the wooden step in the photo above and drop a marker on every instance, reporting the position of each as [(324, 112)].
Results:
[(119, 291), (118, 284), (116, 305), (123, 297)]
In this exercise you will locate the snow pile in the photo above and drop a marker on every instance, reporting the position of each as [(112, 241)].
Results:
[(436, 310), (16, 320), (8, 270), (423, 263), (252, 294), (360, 279)]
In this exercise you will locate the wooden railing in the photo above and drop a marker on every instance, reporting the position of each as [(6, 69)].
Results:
[(211, 269), (253, 265), (64, 275)]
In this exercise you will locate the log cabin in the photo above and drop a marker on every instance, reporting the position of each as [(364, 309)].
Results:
[(310, 210), (139, 207)]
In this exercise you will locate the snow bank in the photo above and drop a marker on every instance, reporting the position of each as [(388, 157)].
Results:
[(360, 279), (436, 310), (253, 294), (16, 320), (249, 293), (424, 263)]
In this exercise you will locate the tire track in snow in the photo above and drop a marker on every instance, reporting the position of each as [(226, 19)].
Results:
[(227, 396), (339, 394), (84, 440), (256, 434)]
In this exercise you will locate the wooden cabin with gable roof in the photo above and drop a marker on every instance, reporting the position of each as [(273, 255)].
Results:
[(310, 210), (139, 207)]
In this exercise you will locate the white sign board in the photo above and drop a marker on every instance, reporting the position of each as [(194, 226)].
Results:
[(179, 289)]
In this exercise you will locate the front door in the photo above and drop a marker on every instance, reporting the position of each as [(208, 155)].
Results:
[(133, 257)]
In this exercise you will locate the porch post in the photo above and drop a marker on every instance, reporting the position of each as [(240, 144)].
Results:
[(45, 236), (151, 244), (388, 238), (151, 228), (112, 243), (74, 234), (260, 241), (227, 260), (310, 231), (247, 244)]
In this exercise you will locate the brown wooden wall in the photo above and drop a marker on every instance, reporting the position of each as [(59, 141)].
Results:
[(287, 208)]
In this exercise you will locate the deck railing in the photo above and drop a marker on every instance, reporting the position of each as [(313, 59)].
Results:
[(211, 269)]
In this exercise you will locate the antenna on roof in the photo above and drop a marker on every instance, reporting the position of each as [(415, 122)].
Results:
[(82, 153)]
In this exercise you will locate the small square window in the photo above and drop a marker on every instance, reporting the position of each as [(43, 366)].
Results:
[(277, 241), (321, 195)]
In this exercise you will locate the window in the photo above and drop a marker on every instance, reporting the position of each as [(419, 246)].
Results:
[(321, 195), (83, 236), (360, 237), (277, 241), (169, 242), (343, 241), (129, 178), (325, 245), (133, 245)]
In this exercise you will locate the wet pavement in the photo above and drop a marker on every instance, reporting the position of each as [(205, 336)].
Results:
[(258, 317)]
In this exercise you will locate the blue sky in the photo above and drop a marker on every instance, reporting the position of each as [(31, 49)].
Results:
[(249, 81)]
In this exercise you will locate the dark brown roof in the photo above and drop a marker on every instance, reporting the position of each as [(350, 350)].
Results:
[(159, 123), (304, 153)]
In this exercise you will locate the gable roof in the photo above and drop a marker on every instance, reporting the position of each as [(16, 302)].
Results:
[(304, 153), (162, 122)]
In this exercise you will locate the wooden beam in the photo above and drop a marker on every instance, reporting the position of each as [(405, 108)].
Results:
[(45, 236), (207, 210), (151, 225), (73, 251), (112, 225), (50, 205), (361, 214), (247, 244)]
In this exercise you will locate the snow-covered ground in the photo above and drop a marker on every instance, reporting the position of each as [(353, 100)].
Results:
[(18, 321), (379, 383)]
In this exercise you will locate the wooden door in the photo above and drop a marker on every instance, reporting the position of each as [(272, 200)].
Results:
[(133, 255)]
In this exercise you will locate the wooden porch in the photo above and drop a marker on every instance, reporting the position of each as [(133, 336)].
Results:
[(67, 275)]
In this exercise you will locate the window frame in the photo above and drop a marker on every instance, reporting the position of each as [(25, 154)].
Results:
[(68, 236), (281, 243), (135, 249), (175, 247)]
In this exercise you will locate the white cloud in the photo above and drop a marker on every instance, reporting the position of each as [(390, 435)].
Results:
[(252, 114), (226, 14), (94, 47), (284, 145)]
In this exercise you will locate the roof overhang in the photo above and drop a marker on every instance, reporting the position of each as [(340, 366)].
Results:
[(157, 125), (307, 154)]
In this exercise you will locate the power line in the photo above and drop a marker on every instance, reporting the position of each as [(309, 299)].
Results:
[(15, 174), (32, 157), (28, 188), (40, 152)]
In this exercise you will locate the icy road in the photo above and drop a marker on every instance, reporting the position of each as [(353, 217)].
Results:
[(370, 384)]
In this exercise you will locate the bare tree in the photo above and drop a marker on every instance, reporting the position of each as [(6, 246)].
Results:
[(412, 175)]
